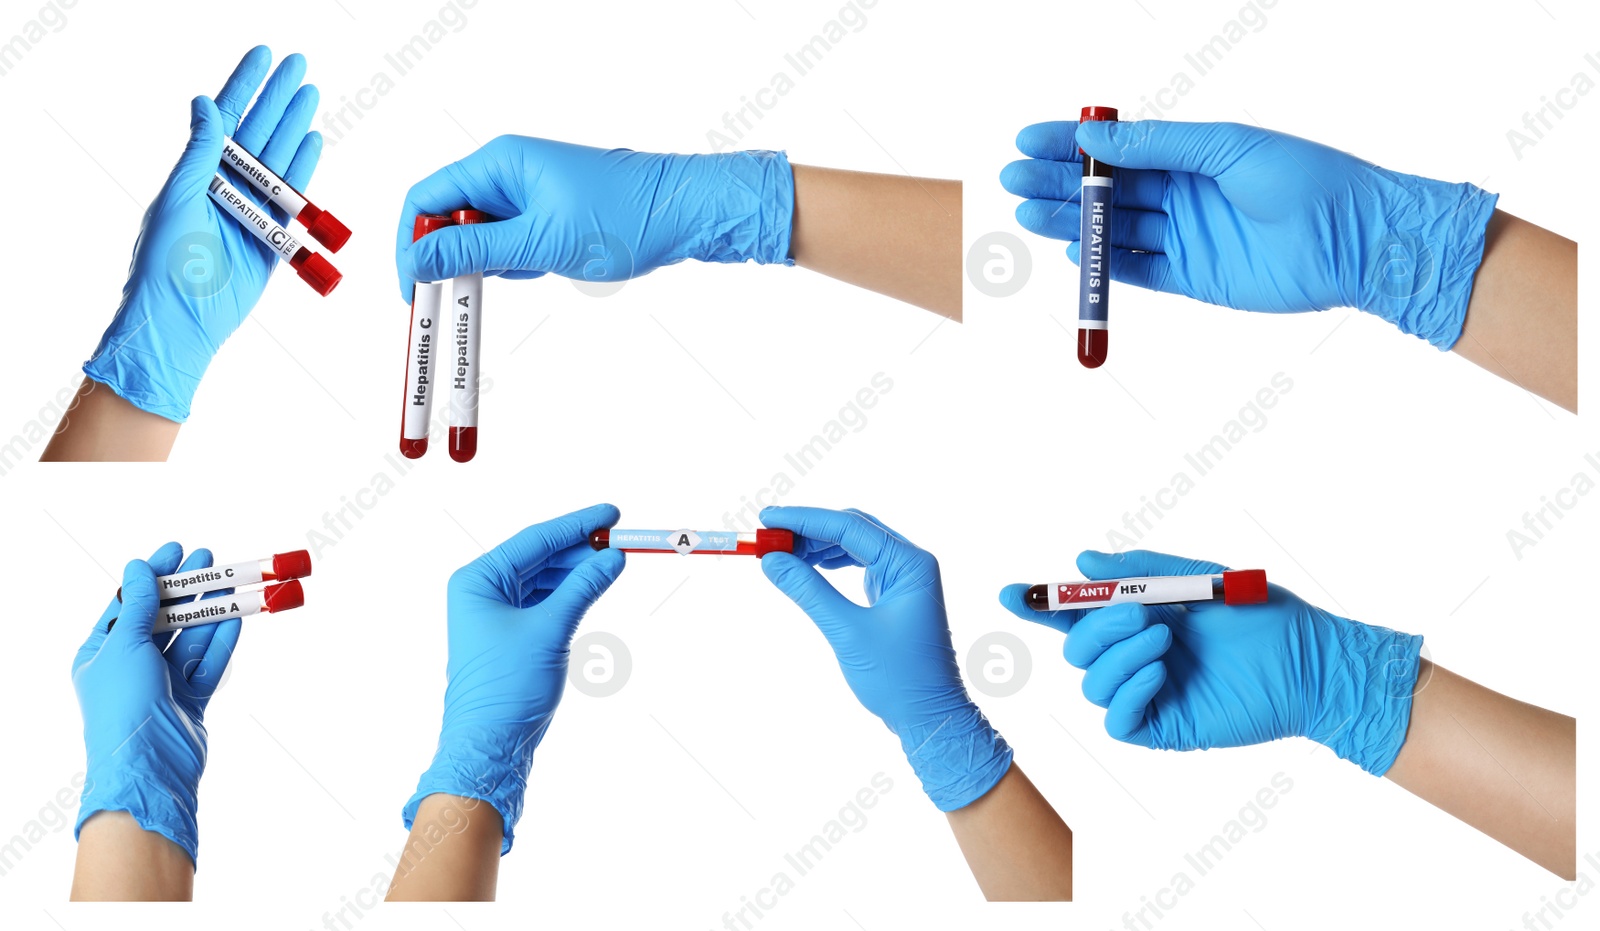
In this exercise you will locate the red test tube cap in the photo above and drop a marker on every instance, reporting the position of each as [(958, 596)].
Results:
[(320, 274), (1244, 587), (466, 217), (295, 565), (426, 223), (774, 541), (283, 597), (326, 229)]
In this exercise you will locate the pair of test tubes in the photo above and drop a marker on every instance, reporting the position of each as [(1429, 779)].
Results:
[(284, 569), (435, 345), (326, 229)]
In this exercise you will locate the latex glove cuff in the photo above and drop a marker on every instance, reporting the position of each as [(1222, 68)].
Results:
[(1372, 694), (958, 757)]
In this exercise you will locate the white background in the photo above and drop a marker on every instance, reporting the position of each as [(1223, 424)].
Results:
[(1382, 485)]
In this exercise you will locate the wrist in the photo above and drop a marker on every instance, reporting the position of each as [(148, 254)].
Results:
[(137, 373), (1418, 275), (159, 804), (480, 764), (1367, 699), (957, 755)]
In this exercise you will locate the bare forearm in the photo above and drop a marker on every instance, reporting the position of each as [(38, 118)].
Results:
[(1019, 849), (1522, 320), (452, 854), (101, 427), (1505, 767), (118, 861), (895, 235)]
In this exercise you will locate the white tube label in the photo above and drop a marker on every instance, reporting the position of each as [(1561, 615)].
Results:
[(420, 380), (683, 541), (199, 581), (208, 611), (262, 178), (256, 220), (1157, 590), (466, 315)]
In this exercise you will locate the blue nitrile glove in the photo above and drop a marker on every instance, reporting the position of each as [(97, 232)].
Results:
[(896, 655), (142, 708), (513, 612), (596, 214), (196, 273), (1205, 674), (1260, 220)]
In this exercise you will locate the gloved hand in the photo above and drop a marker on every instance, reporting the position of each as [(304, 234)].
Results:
[(896, 655), (1205, 674), (596, 214), (1260, 220), (196, 273), (513, 612), (143, 709)]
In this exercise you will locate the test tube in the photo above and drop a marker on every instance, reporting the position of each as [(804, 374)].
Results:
[(1234, 587), (466, 294), (1094, 255), (715, 542), (321, 224), (273, 598), (416, 409), (312, 268), (276, 568)]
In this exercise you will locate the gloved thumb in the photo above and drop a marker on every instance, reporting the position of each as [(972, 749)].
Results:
[(140, 600), (583, 586), (1097, 565), (204, 152), (1204, 148), (807, 588), (465, 250), (1014, 598)]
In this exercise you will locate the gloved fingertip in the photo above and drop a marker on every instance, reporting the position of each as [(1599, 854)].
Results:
[(778, 566), (138, 581), (1096, 564), (1095, 135), (603, 514), (1014, 598)]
